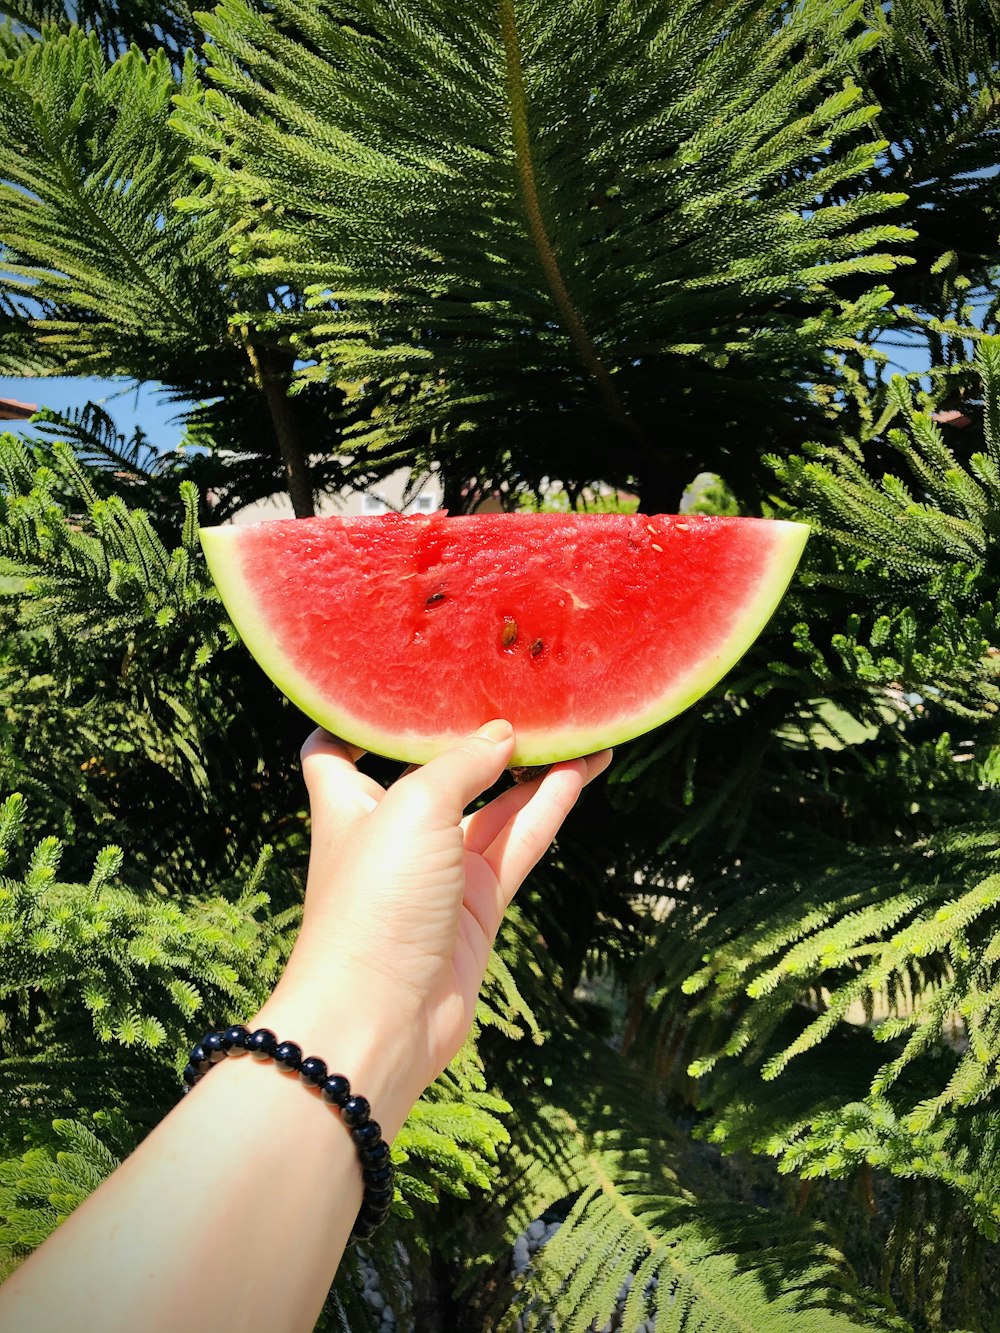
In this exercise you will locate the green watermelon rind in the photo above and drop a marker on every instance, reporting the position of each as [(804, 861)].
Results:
[(533, 747)]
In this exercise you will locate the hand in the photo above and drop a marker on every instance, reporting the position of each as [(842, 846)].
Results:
[(405, 895), (404, 898)]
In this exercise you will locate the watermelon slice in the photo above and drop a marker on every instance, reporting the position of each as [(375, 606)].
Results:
[(402, 635)]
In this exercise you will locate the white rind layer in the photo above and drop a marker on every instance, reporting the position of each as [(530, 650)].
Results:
[(221, 546)]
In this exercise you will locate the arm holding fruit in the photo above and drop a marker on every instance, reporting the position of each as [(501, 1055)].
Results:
[(234, 1212)]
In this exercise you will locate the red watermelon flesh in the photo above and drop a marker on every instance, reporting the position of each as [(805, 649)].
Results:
[(402, 634)]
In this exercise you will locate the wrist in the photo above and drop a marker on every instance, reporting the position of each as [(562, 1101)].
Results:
[(374, 1048)]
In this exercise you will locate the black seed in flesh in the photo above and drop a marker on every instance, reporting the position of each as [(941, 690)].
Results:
[(435, 599), (509, 635), (537, 647)]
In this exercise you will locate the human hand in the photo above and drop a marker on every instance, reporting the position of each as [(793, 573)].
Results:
[(404, 897), (405, 893)]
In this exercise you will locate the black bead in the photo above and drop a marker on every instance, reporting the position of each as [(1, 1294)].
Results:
[(262, 1043), (368, 1134), (380, 1200), (235, 1037), (199, 1058), (380, 1196), (336, 1089), (375, 1156), (372, 1214), (355, 1111), (378, 1175), (191, 1075), (215, 1044), (288, 1054), (313, 1071), (363, 1230)]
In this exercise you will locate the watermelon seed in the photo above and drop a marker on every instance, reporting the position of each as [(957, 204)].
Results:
[(656, 548), (435, 599), (537, 647), (509, 635)]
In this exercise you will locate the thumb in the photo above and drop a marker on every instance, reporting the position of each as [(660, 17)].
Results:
[(439, 792)]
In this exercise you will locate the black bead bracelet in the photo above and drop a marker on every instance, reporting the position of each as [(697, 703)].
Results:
[(355, 1112)]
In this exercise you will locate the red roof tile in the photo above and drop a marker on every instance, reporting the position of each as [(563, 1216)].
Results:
[(12, 410), (951, 418)]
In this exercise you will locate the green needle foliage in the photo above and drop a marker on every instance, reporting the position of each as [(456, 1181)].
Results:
[(118, 24), (835, 996), (74, 130), (102, 274), (634, 1229), (600, 215), (741, 1037), (954, 49)]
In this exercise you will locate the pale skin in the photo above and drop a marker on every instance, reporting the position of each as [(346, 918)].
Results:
[(235, 1211)]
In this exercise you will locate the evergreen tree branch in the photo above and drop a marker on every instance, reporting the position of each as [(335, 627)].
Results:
[(613, 404), (387, 165), (640, 1221), (119, 24)]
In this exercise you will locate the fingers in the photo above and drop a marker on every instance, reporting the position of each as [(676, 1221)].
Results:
[(338, 793), (528, 834), (322, 741), (438, 792), (513, 831), (482, 827)]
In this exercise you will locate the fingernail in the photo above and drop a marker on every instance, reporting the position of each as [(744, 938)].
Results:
[(499, 730)]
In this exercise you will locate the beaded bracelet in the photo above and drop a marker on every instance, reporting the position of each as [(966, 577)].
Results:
[(376, 1168)]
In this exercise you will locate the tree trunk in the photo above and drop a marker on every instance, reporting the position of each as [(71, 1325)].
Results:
[(661, 488), (433, 1307), (455, 492), (273, 382)]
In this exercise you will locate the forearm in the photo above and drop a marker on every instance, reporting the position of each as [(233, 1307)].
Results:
[(235, 1211), (233, 1215)]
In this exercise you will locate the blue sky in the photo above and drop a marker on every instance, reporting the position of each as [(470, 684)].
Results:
[(129, 403)]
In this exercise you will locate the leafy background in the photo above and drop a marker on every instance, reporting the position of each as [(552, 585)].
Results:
[(741, 1035)]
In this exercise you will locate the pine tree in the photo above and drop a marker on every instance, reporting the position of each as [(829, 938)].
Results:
[(148, 24), (599, 242), (501, 220), (104, 274)]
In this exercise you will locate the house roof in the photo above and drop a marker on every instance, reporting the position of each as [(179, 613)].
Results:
[(953, 417), (12, 410)]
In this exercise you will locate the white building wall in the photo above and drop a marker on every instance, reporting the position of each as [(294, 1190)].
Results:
[(388, 495)]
